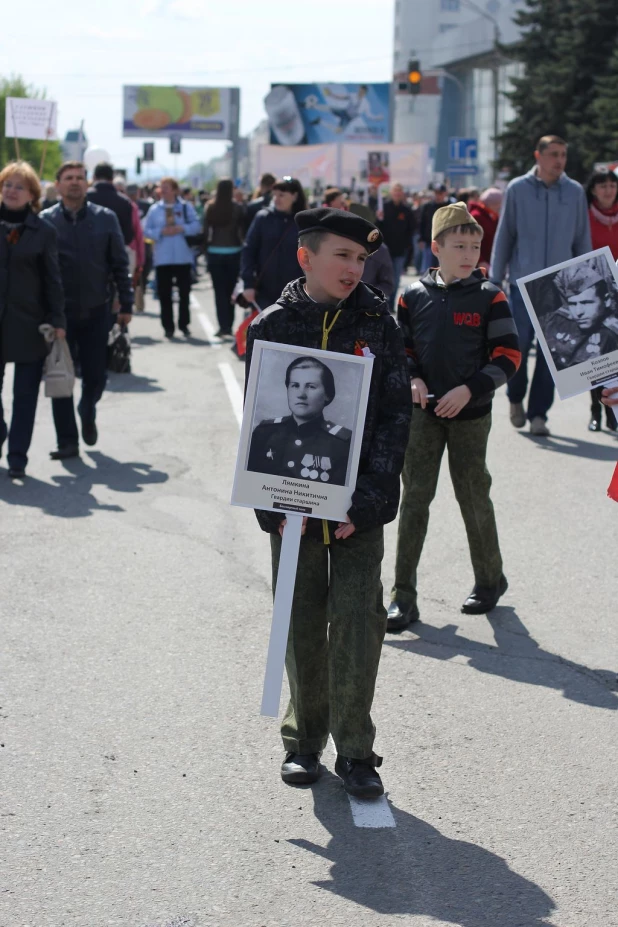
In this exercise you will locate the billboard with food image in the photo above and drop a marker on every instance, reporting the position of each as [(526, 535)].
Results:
[(191, 112)]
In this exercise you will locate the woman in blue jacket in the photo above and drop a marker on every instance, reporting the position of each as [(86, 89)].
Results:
[(269, 254), (168, 223)]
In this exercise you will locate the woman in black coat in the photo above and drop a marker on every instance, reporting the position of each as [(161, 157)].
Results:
[(30, 294), (269, 259)]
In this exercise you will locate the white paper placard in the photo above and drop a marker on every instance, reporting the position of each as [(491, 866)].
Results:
[(573, 307), (299, 445), (27, 118)]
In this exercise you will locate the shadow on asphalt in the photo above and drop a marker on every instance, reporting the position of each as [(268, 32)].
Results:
[(131, 383), (414, 869), (516, 656), (71, 495), (573, 446)]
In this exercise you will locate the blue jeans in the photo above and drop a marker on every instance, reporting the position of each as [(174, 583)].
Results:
[(542, 387), (26, 384), (429, 259), (398, 265), (89, 338)]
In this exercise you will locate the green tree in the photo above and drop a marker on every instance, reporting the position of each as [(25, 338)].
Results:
[(567, 48), (29, 149)]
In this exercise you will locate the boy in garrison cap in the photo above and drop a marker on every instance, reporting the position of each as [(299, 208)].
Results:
[(338, 617), (462, 345)]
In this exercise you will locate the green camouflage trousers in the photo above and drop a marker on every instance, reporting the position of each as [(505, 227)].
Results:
[(466, 442), (336, 632)]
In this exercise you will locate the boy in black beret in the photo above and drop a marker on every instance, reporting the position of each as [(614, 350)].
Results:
[(338, 618)]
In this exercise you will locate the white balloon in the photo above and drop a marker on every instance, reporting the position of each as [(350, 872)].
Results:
[(94, 156)]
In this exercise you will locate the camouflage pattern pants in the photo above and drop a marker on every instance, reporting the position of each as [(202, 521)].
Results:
[(466, 442), (336, 632)]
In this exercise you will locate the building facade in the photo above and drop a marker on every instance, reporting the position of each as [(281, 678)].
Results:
[(464, 79)]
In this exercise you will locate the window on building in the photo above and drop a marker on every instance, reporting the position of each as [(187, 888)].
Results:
[(450, 6)]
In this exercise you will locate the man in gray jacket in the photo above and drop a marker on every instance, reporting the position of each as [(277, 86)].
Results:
[(544, 221)]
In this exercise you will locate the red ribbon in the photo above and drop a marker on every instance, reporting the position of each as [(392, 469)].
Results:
[(612, 489)]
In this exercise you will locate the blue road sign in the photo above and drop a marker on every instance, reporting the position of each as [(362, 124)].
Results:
[(462, 149), (462, 169)]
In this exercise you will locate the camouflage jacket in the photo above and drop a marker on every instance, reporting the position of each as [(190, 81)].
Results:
[(364, 321)]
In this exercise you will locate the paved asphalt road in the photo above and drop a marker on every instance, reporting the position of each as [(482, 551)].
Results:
[(139, 785)]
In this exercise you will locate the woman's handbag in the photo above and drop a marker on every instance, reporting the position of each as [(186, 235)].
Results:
[(58, 370)]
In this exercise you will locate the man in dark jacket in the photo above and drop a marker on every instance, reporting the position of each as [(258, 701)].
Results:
[(267, 182), (397, 224), (332, 672), (427, 211), (268, 258), (92, 255), (104, 193)]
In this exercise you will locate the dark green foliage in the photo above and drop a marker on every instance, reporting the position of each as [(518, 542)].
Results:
[(570, 83), (29, 149)]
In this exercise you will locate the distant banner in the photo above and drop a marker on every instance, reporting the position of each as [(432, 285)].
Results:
[(187, 112), (406, 164), (314, 114), (308, 163)]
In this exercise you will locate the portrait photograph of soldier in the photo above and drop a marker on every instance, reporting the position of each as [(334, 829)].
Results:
[(304, 419), (577, 310)]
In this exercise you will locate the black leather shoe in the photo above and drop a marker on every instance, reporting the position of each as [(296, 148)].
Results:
[(594, 424), (360, 777), (89, 433), (186, 332), (483, 598), (169, 335), (17, 473), (399, 616), (300, 768), (64, 453)]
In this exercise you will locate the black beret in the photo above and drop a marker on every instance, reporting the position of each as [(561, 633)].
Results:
[(339, 222)]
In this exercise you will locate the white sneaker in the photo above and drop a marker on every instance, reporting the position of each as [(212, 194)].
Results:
[(539, 427), (517, 415)]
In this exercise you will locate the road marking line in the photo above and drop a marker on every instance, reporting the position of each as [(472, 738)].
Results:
[(210, 330), (373, 813), (234, 391)]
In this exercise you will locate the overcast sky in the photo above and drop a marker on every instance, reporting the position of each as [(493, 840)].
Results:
[(83, 52)]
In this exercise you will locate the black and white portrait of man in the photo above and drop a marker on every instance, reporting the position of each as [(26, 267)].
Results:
[(577, 309)]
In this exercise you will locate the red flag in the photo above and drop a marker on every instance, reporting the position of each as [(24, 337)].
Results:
[(612, 489), (241, 333)]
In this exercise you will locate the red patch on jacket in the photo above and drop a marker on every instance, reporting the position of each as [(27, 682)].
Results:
[(473, 319), (358, 348)]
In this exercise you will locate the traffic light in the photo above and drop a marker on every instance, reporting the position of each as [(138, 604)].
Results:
[(415, 78)]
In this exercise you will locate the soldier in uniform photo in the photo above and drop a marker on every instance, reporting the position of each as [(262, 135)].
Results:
[(303, 445), (585, 325)]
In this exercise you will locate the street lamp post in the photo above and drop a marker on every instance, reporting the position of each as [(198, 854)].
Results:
[(495, 70)]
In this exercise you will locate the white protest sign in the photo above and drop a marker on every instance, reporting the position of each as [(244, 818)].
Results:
[(25, 118)]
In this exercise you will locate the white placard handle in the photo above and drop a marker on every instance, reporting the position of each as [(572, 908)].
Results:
[(282, 610)]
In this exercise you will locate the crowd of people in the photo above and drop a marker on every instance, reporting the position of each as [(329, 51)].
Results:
[(115, 239), (76, 263)]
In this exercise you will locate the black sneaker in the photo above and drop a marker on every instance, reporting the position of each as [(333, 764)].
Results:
[(300, 768), (17, 473), (90, 433), (64, 453), (186, 332), (360, 777)]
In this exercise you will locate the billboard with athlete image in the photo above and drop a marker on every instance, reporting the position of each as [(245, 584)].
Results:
[(302, 430), (315, 114)]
